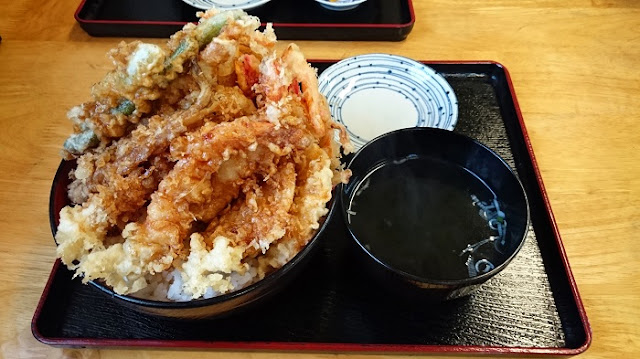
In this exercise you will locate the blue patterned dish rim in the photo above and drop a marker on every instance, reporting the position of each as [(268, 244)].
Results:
[(340, 5), (373, 94)]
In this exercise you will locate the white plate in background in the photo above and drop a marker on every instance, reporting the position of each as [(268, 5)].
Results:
[(226, 4)]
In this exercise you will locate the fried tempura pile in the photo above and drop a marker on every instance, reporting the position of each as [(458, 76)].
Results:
[(202, 165)]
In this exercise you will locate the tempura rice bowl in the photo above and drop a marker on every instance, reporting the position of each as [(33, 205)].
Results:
[(200, 167), (217, 306)]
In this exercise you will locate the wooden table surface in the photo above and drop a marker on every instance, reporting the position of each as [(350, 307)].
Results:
[(575, 66)]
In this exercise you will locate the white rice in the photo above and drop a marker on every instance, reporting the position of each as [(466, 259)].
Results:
[(169, 285)]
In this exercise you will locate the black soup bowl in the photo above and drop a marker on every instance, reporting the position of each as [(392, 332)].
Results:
[(433, 214), (219, 306)]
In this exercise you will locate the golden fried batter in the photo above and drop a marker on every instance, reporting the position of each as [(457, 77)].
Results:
[(202, 165)]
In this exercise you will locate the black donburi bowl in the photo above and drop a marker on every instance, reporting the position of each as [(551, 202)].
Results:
[(456, 149), (201, 308)]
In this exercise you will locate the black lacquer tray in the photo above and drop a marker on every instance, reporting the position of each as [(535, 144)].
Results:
[(532, 307), (375, 20)]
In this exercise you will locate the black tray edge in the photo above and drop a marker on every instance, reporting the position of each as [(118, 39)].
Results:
[(294, 347), (351, 347), (285, 31), (558, 239)]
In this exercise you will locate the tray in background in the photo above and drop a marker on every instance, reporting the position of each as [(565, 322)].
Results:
[(375, 20), (532, 307)]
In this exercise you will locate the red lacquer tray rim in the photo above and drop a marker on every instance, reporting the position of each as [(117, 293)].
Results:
[(356, 347), (276, 25)]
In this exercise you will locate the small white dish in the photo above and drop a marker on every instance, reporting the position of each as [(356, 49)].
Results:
[(226, 4), (378, 93), (340, 5)]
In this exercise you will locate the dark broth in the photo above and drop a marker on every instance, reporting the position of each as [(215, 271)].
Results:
[(417, 215)]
